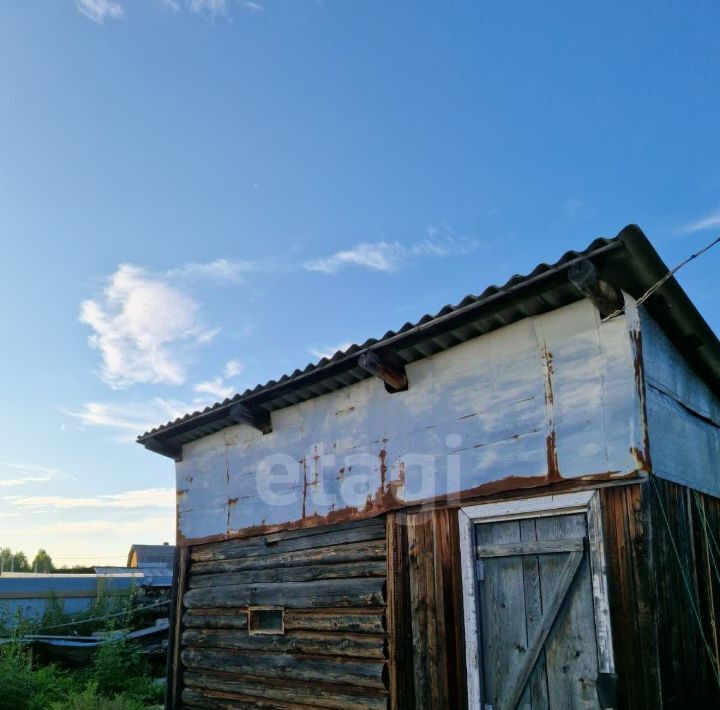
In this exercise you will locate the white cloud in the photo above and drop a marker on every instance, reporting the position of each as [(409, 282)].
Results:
[(133, 417), (389, 256), (381, 256), (148, 528), (253, 6), (711, 221), (144, 328), (212, 8), (98, 10), (8, 482), (221, 270), (328, 351), (132, 500), (216, 388), (29, 473), (232, 369)]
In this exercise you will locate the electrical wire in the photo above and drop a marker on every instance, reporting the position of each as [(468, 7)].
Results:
[(659, 283)]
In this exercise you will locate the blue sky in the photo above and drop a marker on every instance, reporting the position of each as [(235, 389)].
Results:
[(198, 195)]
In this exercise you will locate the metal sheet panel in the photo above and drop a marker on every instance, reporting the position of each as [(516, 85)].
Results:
[(546, 398)]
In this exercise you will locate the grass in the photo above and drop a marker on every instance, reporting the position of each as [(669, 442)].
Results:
[(117, 679)]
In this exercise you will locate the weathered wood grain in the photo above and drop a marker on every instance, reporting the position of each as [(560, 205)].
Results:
[(298, 642), (237, 620), (369, 621), (267, 545), (364, 568), (294, 693), (337, 554), (307, 668), (295, 595), (402, 677)]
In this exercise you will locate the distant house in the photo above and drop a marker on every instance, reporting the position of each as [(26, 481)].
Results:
[(510, 503), (27, 594), (151, 555)]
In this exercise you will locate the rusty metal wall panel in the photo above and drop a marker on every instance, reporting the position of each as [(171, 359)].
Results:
[(548, 398)]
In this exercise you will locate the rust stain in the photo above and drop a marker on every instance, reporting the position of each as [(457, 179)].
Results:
[(553, 470), (643, 458), (385, 502), (549, 394), (305, 484), (232, 501), (383, 468)]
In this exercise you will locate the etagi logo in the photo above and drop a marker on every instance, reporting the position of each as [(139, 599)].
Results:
[(327, 481)]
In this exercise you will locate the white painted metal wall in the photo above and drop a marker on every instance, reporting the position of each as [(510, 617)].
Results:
[(550, 396)]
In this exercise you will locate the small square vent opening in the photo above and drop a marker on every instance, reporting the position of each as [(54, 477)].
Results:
[(268, 620)]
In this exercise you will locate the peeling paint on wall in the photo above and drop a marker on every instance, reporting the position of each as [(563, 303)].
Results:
[(548, 398)]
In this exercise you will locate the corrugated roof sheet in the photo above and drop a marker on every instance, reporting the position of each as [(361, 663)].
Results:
[(152, 555), (627, 261)]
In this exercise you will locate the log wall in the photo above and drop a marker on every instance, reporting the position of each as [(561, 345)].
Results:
[(331, 583)]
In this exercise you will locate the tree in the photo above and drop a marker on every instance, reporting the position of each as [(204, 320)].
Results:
[(13, 561), (20, 562), (43, 562)]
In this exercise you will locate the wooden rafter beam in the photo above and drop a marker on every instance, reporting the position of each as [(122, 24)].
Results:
[(606, 298), (389, 370), (257, 418)]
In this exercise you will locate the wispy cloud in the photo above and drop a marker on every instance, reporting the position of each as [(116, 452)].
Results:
[(218, 387), (131, 500), (390, 256), (130, 417), (222, 270), (20, 474), (147, 528), (209, 8), (380, 256), (144, 328), (328, 351), (24, 481), (99, 10), (233, 368), (710, 221), (215, 388)]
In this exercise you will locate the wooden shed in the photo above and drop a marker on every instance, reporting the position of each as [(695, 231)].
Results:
[(511, 503)]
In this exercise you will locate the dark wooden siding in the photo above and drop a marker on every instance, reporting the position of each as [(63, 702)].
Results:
[(331, 583), (428, 659), (657, 595)]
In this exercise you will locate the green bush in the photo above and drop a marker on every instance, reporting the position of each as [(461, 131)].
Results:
[(23, 688), (90, 699)]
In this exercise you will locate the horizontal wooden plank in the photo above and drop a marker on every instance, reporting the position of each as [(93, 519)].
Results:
[(215, 621), (372, 568), (339, 620), (531, 547), (369, 674), (370, 621), (314, 694), (217, 700), (303, 642), (270, 545), (294, 595), (336, 554)]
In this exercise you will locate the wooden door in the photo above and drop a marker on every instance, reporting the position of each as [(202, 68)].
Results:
[(537, 637)]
